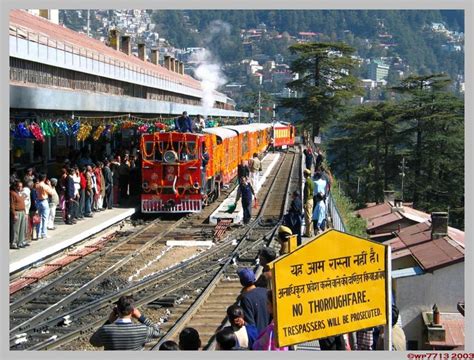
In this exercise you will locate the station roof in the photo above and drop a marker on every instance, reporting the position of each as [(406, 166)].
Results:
[(223, 133), (40, 26)]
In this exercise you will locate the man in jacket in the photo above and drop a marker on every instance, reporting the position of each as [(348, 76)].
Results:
[(308, 203), (246, 192), (69, 195), (17, 217), (109, 183), (120, 333)]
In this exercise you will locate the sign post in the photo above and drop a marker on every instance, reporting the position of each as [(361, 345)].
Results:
[(332, 285), (293, 243)]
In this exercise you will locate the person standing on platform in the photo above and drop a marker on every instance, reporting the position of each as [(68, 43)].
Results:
[(265, 256), (101, 183), (53, 204), (70, 198), (29, 176), (308, 203), (319, 214), (89, 193), (319, 157), (205, 157), (26, 194), (253, 300), (109, 183), (120, 333), (320, 184), (17, 217), (255, 167), (243, 170), (293, 217), (246, 192), (114, 166), (43, 191), (124, 178), (266, 339), (185, 124), (77, 191), (284, 233), (308, 158)]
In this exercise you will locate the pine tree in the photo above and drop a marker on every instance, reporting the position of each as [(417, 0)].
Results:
[(325, 81)]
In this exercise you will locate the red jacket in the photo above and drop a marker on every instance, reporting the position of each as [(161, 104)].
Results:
[(83, 180)]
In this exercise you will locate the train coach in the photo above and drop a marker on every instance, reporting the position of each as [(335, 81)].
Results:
[(174, 178), (283, 135)]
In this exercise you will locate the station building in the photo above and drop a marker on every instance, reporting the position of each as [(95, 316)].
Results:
[(59, 77)]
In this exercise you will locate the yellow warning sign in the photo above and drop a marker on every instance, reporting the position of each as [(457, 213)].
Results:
[(332, 285)]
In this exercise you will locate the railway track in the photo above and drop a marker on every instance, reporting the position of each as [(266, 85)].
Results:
[(93, 276), (208, 312), (50, 325)]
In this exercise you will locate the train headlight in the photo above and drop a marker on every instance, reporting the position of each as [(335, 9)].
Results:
[(196, 185), (170, 156), (145, 185)]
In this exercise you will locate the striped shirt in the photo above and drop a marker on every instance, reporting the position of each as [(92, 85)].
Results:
[(124, 335)]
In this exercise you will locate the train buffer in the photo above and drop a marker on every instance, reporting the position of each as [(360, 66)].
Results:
[(221, 228)]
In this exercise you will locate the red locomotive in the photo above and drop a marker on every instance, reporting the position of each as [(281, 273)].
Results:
[(174, 178)]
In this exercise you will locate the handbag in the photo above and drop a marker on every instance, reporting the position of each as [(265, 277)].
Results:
[(36, 219)]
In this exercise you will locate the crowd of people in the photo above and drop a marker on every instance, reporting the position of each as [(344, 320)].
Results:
[(249, 323), (81, 188)]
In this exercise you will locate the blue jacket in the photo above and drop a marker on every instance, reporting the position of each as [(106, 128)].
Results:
[(185, 124)]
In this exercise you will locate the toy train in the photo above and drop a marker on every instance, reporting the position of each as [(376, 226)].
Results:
[(174, 179)]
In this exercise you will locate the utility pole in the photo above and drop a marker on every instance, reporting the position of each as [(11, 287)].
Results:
[(259, 106), (88, 22), (403, 174)]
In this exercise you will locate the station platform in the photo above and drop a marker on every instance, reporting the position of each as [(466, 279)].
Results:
[(268, 163), (65, 236)]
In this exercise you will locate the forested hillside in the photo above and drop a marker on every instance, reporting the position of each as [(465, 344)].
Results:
[(410, 30)]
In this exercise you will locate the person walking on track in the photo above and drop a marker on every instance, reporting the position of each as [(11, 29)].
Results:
[(246, 192)]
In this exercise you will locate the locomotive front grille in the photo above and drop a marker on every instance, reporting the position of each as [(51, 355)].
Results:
[(158, 206)]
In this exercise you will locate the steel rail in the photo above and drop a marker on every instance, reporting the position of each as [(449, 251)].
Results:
[(239, 250), (72, 296), (89, 259)]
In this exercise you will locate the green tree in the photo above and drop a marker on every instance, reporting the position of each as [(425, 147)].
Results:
[(325, 81), (432, 120)]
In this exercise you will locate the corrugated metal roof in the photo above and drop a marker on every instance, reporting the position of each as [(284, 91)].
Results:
[(383, 220), (429, 253), (63, 35), (375, 211)]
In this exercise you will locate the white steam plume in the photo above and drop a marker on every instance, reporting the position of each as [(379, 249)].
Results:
[(211, 76), (208, 69)]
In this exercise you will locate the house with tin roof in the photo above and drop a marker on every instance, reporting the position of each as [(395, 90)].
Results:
[(428, 269)]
